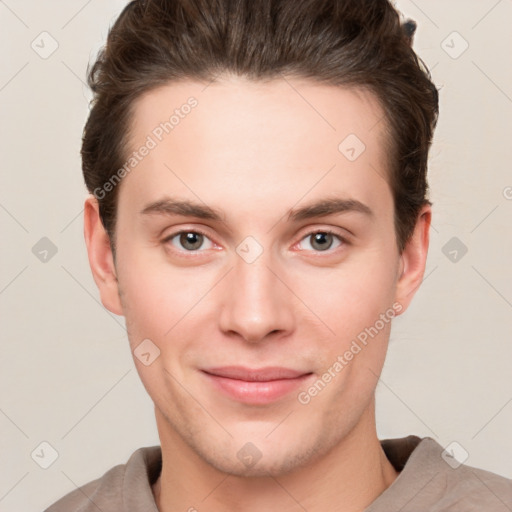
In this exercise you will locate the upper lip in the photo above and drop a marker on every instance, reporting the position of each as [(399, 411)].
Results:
[(255, 374)]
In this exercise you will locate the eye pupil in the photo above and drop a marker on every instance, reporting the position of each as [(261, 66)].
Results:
[(321, 239), (195, 239)]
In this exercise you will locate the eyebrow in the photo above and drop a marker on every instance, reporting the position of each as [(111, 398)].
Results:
[(319, 208)]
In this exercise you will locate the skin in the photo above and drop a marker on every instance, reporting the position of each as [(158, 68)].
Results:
[(254, 151)]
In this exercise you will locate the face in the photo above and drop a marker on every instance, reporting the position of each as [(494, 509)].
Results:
[(256, 276)]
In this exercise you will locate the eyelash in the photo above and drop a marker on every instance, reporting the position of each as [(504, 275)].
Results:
[(328, 231)]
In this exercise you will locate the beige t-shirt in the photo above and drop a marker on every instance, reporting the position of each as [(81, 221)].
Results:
[(427, 482)]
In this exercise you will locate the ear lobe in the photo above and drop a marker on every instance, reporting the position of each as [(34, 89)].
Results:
[(413, 259), (100, 257)]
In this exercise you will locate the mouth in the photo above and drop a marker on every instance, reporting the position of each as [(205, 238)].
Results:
[(256, 386)]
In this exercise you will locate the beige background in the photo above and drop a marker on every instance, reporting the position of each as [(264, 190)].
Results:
[(66, 373)]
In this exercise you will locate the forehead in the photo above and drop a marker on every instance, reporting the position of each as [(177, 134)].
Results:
[(237, 139), (232, 103)]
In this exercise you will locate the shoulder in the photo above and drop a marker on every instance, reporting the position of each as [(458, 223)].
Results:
[(457, 486), (480, 489), (109, 492), (431, 478), (97, 494)]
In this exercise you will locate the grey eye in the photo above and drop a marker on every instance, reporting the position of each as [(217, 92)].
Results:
[(188, 241), (191, 241), (322, 241)]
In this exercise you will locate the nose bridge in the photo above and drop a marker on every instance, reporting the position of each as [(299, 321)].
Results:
[(257, 302)]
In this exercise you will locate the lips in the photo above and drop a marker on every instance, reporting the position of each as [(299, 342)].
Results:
[(255, 375), (260, 386)]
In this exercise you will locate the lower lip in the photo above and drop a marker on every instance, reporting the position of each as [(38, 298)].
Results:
[(257, 393)]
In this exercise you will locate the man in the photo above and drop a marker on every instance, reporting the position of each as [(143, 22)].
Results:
[(258, 214)]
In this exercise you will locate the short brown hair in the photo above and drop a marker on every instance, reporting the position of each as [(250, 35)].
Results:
[(359, 43)]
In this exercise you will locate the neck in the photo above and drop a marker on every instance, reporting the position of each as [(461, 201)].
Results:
[(348, 478)]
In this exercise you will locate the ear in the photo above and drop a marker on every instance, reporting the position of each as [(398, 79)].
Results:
[(413, 259), (100, 256)]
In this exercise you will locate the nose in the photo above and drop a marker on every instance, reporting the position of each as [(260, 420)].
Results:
[(257, 300)]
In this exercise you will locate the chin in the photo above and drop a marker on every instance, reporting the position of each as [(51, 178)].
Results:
[(274, 459)]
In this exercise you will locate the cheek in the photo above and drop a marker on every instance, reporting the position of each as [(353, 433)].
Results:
[(352, 296), (359, 309), (149, 297), (160, 300)]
